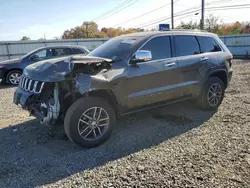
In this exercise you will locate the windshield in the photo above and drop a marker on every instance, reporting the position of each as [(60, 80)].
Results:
[(114, 49), (28, 54)]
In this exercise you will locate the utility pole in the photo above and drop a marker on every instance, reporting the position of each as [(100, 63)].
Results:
[(202, 14), (172, 14)]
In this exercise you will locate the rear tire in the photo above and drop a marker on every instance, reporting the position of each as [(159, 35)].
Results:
[(89, 121), (212, 94), (13, 77)]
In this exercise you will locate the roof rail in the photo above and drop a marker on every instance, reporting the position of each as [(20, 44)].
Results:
[(188, 30)]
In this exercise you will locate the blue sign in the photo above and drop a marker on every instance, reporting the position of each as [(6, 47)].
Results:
[(164, 27)]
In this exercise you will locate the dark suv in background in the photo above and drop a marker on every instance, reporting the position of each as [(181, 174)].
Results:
[(124, 75), (11, 70)]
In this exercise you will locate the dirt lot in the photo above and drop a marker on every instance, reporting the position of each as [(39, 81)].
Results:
[(174, 146)]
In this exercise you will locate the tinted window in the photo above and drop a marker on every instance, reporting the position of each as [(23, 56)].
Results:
[(186, 45), (160, 48), (62, 51), (208, 44), (78, 51)]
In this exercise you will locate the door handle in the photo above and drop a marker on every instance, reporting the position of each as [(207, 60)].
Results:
[(204, 58), (170, 64)]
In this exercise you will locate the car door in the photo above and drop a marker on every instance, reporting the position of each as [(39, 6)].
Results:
[(153, 81), (189, 59), (212, 53)]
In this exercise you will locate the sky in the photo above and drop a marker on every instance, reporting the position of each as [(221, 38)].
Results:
[(36, 18)]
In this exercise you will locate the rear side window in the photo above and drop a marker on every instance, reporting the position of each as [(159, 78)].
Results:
[(160, 47), (186, 45), (208, 44), (78, 51)]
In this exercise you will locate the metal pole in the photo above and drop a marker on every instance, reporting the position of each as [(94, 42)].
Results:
[(202, 14), (8, 50), (172, 13)]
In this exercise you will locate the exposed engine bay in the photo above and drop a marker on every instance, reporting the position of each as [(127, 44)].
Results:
[(49, 97)]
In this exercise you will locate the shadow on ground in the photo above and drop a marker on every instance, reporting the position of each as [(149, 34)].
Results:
[(32, 155), (5, 86)]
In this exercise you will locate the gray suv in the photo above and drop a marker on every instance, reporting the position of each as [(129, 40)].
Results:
[(127, 74)]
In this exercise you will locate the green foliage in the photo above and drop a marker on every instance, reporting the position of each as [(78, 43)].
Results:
[(189, 25), (25, 38), (90, 30), (214, 25)]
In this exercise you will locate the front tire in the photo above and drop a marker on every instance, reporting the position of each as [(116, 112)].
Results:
[(89, 121), (13, 77), (213, 94)]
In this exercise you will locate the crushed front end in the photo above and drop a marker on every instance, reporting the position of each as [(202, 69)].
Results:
[(43, 105), (48, 88)]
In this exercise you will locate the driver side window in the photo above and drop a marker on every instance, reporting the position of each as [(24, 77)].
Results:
[(160, 47), (46, 53)]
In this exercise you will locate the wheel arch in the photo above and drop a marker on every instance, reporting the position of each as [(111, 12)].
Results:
[(222, 74), (13, 69), (106, 94)]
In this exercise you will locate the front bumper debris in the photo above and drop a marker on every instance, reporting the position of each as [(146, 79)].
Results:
[(21, 97)]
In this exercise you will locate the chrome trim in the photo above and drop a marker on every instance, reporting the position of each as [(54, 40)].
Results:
[(26, 84), (30, 81), (34, 87), (143, 55), (41, 88), (170, 64)]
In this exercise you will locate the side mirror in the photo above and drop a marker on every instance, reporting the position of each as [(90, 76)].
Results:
[(34, 57), (141, 56)]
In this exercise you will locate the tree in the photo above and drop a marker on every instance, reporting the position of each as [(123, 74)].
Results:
[(189, 25), (25, 38), (86, 30), (211, 24)]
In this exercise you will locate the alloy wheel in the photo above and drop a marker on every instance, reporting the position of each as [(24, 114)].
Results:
[(14, 78), (214, 94), (93, 123)]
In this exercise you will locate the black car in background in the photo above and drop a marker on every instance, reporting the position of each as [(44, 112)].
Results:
[(11, 70)]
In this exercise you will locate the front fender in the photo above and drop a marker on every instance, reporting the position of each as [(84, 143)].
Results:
[(86, 83)]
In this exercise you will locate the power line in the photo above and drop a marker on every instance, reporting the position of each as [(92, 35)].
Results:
[(217, 9), (118, 10), (209, 8), (167, 18), (111, 10), (143, 14), (160, 19)]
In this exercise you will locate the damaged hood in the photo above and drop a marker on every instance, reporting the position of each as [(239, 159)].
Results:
[(54, 70)]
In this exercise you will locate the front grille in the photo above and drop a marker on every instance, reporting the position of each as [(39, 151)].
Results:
[(31, 85)]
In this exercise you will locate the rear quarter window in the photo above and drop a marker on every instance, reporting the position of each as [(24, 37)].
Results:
[(208, 44)]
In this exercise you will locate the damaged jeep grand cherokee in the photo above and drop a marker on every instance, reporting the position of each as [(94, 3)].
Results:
[(126, 74)]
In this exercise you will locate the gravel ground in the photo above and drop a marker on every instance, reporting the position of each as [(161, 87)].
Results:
[(173, 146)]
